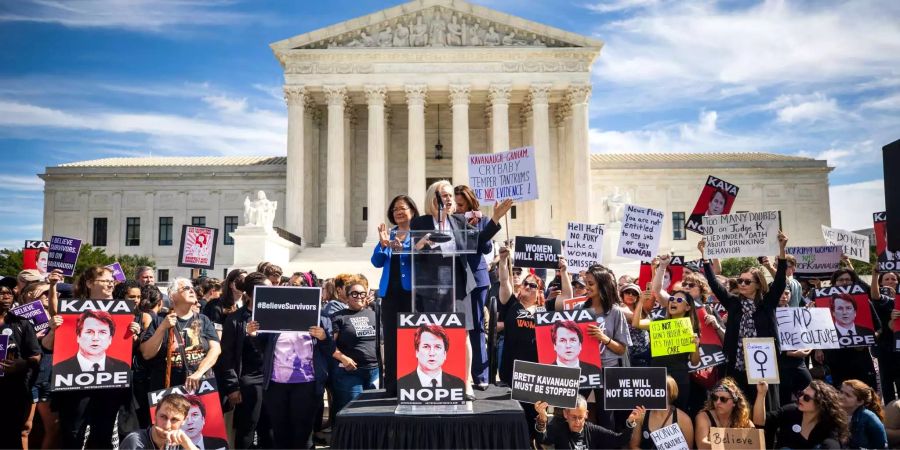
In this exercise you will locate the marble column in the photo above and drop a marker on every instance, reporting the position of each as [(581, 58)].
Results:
[(459, 101), (335, 235), (499, 96), (579, 96), (294, 206), (415, 100), (540, 139), (376, 162)]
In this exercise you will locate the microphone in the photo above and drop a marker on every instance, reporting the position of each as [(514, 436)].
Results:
[(440, 205)]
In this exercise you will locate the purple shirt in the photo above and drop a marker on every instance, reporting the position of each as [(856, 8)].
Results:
[(293, 359)]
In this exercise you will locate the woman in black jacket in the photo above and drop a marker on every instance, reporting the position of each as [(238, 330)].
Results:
[(751, 313)]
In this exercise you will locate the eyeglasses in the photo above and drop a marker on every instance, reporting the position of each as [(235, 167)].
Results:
[(689, 285), (679, 299), (744, 281), (186, 288), (400, 209), (720, 398), (105, 281), (805, 397), (530, 285), (357, 294)]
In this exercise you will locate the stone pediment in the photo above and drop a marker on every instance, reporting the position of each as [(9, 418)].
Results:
[(435, 24)]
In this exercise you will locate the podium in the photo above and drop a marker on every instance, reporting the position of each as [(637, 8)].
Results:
[(437, 259)]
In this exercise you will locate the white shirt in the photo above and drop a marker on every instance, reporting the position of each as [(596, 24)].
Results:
[(562, 364), (426, 379), (88, 365), (846, 331)]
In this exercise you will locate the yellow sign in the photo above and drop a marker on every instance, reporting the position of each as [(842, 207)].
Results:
[(671, 337), (737, 438)]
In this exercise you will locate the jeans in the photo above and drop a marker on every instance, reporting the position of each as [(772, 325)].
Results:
[(347, 384)]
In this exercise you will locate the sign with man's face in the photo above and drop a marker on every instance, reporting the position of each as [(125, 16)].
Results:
[(93, 345), (563, 340), (35, 255), (204, 423), (852, 315), (431, 364)]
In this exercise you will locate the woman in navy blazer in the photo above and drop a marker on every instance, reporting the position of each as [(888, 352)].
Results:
[(468, 205), (470, 263), (396, 278)]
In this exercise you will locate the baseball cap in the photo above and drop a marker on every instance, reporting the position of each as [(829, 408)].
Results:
[(630, 287), (576, 279), (30, 276)]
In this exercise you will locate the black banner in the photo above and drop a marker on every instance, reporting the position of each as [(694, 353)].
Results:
[(286, 308), (540, 253), (629, 387), (556, 385)]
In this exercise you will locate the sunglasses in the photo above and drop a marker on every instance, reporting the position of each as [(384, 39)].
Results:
[(744, 281), (357, 294), (678, 299), (530, 285), (720, 398), (805, 397), (689, 285)]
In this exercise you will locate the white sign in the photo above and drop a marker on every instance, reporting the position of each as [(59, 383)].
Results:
[(856, 246), (761, 360), (741, 234), (641, 229), (815, 262), (806, 328), (670, 438), (498, 176), (584, 245)]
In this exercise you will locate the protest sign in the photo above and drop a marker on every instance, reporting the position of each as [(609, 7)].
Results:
[(553, 384), (855, 246), (897, 324), (761, 360), (887, 260), (851, 313), (737, 438), (118, 272), (711, 352), (715, 199), (540, 253), (584, 245), (628, 387), (286, 308), (498, 176), (573, 303), (198, 247), (204, 424), (4, 345), (641, 229), (742, 234), (563, 340), (97, 330), (63, 254), (671, 337), (670, 438), (434, 344), (35, 313), (674, 274), (806, 328), (35, 256), (815, 262)]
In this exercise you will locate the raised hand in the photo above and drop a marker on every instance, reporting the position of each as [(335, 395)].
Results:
[(701, 245), (384, 235), (500, 209)]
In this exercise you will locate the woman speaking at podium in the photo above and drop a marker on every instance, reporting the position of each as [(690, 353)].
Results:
[(431, 270)]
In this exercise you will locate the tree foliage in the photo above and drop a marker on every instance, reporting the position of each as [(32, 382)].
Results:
[(732, 267), (11, 261)]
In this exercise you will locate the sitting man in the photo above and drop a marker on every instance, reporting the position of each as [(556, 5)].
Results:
[(166, 430), (575, 432)]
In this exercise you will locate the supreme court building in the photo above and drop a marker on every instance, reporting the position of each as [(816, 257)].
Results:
[(385, 104)]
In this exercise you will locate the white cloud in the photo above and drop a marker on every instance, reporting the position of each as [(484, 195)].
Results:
[(805, 109), (142, 15), (231, 127), (891, 102), (609, 6), (21, 182), (691, 48), (852, 205)]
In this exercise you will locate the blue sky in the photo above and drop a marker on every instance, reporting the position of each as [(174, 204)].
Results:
[(84, 79)]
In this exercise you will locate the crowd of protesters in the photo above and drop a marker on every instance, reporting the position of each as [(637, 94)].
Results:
[(280, 390)]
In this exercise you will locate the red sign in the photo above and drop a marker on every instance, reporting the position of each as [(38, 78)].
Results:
[(563, 340), (851, 312), (204, 424)]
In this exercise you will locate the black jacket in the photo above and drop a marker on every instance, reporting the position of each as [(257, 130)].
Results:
[(71, 365), (763, 318), (412, 381)]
